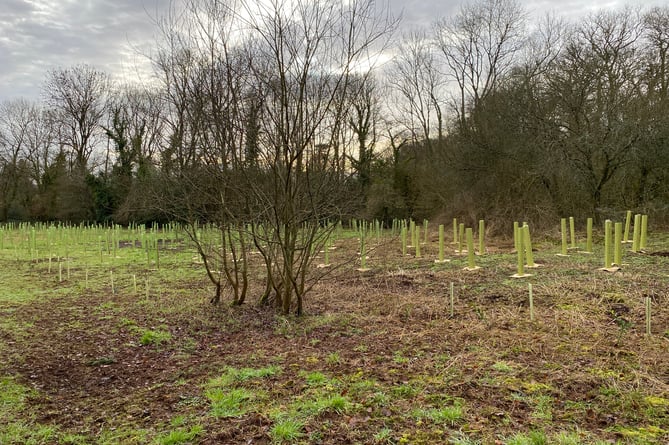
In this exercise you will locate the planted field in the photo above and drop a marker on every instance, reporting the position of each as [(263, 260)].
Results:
[(107, 336)]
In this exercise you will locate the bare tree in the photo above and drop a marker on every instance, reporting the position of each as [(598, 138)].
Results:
[(478, 45), (596, 83), (363, 119), (15, 124), (416, 78), (312, 46), (77, 97)]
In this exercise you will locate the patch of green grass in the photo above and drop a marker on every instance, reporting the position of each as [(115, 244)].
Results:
[(26, 434), (12, 395), (319, 404), (333, 358), (233, 376), (642, 434), (180, 436), (384, 435), (531, 438), (543, 407), (122, 436), (566, 438), (73, 439), (404, 390), (288, 430), (448, 415), (230, 402), (157, 337), (502, 367), (316, 379), (399, 359)]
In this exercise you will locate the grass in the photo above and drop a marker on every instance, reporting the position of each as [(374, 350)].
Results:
[(377, 359), (180, 436), (154, 337), (230, 403), (287, 431)]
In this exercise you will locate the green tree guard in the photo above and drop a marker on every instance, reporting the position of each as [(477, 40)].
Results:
[(588, 239), (461, 236), (572, 232), (628, 222), (644, 232), (528, 246), (618, 244), (441, 243), (404, 240), (563, 233), (455, 231), (637, 233), (607, 244), (471, 265)]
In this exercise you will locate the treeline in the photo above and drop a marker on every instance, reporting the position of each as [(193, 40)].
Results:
[(485, 114)]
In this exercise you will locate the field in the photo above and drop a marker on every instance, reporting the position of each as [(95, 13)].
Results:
[(106, 336)]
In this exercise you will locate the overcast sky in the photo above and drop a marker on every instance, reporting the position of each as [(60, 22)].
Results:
[(111, 35)]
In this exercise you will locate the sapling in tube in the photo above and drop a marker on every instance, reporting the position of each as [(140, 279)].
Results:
[(563, 233), (607, 244), (461, 237), (529, 288), (648, 302), (404, 240), (572, 232), (452, 299), (470, 250), (628, 222), (528, 246), (644, 232), (455, 231), (441, 244), (618, 244), (637, 233), (588, 236)]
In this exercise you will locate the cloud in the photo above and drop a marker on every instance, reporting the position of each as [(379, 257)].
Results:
[(38, 36)]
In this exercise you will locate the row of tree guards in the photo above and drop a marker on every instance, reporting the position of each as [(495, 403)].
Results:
[(59, 240), (412, 236)]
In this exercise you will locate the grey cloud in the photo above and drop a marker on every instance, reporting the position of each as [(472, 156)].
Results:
[(39, 35)]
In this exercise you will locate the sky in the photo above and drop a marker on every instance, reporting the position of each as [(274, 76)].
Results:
[(115, 36)]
